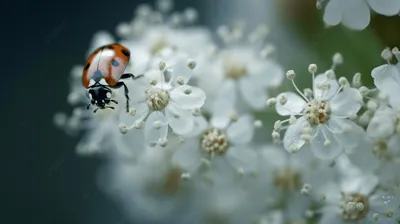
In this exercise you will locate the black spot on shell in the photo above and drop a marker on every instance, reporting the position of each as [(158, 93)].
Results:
[(87, 66), (126, 52), (109, 47)]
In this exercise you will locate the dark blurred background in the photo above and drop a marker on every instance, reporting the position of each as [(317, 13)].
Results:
[(45, 182)]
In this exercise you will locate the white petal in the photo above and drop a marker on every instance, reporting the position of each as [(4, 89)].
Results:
[(294, 105), (385, 7), (329, 216), (382, 124), (254, 94), (346, 169), (363, 184), (222, 170), (223, 105), (333, 13), (330, 151), (156, 127), (382, 202), (141, 112), (346, 102), (242, 157), (181, 70), (193, 100), (180, 120), (157, 75), (363, 157), (139, 59), (387, 80), (210, 77), (356, 14), (242, 131), (331, 190), (393, 145), (292, 139), (188, 156), (324, 94), (199, 125), (275, 156), (350, 134), (267, 73), (386, 71)]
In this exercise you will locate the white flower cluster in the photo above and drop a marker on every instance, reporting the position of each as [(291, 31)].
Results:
[(186, 153), (355, 14)]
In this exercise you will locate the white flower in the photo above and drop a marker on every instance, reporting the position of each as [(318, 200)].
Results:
[(221, 148), (156, 39), (388, 153), (387, 78), (160, 190), (225, 203), (164, 104), (100, 129), (151, 31), (365, 155), (384, 123), (356, 199), (355, 14), (151, 189), (322, 117), (237, 78), (292, 179)]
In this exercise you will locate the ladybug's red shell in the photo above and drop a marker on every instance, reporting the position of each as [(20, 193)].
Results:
[(108, 62)]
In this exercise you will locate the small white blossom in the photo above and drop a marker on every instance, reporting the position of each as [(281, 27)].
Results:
[(292, 178), (166, 103), (356, 199), (238, 77), (326, 113), (355, 14), (218, 144), (387, 80)]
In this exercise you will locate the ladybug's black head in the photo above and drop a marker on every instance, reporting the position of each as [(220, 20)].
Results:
[(100, 96)]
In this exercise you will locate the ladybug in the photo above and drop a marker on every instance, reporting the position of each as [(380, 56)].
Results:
[(102, 72)]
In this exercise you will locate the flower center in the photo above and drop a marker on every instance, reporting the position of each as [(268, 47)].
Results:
[(287, 179), (317, 112), (234, 68), (353, 207), (158, 45), (381, 150), (214, 142), (172, 181), (157, 99)]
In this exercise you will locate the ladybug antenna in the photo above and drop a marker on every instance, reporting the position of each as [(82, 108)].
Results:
[(88, 106), (111, 107)]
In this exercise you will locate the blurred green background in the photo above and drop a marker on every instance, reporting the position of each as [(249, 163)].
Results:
[(361, 50)]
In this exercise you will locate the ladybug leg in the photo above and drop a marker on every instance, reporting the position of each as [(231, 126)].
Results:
[(130, 75), (119, 85), (88, 106)]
